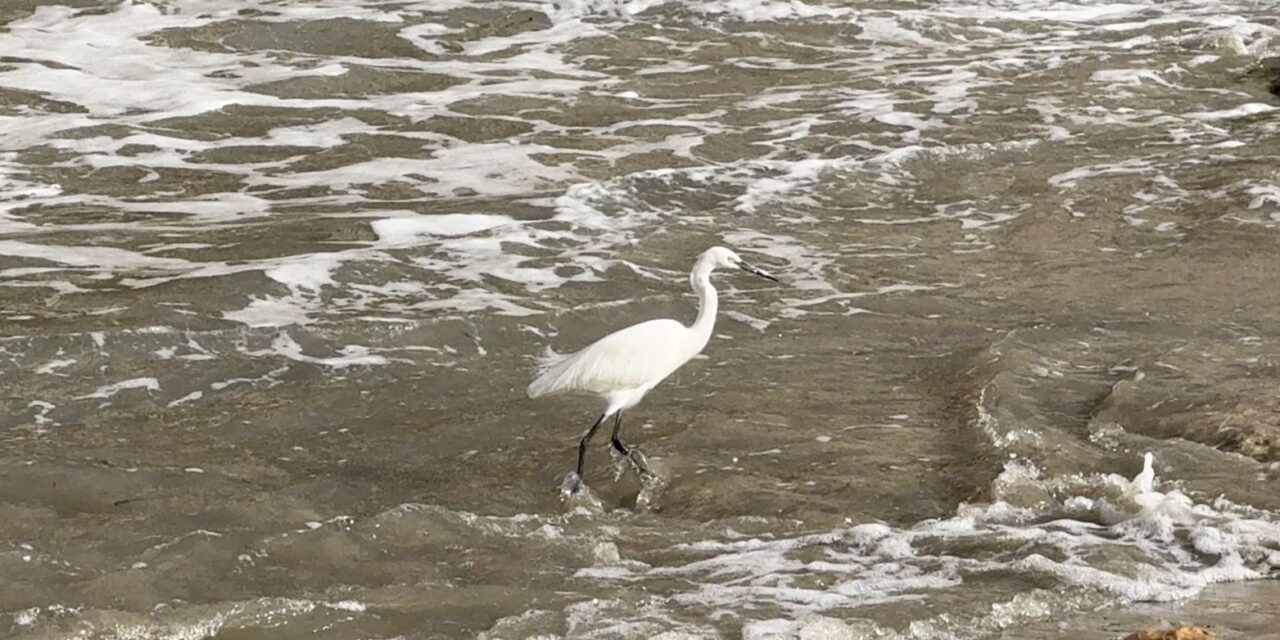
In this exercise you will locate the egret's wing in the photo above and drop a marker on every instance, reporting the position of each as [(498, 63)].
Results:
[(633, 357)]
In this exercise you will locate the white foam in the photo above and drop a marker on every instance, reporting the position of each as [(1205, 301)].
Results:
[(766, 190), (270, 379), (1064, 542), (890, 30), (755, 323), (1243, 37), (349, 356), (42, 408), (490, 169), (190, 397), (1130, 77), (51, 367), (1054, 12), (106, 391), (1264, 194), (408, 230), (1247, 109), (815, 628), (306, 273), (26, 617), (353, 606), (222, 207), (144, 81), (1069, 179), (136, 76), (270, 312), (768, 10), (86, 256)]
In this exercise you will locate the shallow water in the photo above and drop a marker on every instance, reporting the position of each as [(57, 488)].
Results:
[(275, 280)]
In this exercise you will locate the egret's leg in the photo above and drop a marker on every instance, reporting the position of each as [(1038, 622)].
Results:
[(632, 454), (586, 438), (613, 438)]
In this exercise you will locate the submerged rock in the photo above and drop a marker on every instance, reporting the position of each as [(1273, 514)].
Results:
[(1177, 633), (1268, 71), (1251, 431)]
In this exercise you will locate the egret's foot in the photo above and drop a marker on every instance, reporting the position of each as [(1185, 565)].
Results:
[(571, 486), (624, 456), (640, 463)]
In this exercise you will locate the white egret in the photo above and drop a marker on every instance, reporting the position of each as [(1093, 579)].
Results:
[(623, 366)]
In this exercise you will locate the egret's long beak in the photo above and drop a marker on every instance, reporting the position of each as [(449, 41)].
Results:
[(749, 268)]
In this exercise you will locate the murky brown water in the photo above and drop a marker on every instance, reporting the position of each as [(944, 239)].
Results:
[(275, 280)]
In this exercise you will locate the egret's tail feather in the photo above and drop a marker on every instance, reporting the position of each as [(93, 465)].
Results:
[(541, 386), (552, 367)]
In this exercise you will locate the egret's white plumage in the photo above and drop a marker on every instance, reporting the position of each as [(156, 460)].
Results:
[(622, 363), (623, 366)]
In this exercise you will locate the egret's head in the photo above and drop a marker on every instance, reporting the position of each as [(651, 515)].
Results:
[(722, 257)]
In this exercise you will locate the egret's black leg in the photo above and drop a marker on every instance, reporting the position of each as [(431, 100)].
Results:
[(631, 454), (586, 438), (613, 439)]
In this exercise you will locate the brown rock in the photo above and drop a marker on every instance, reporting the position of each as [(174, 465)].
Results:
[(1178, 633)]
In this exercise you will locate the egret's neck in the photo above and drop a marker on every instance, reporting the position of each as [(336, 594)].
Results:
[(707, 303)]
